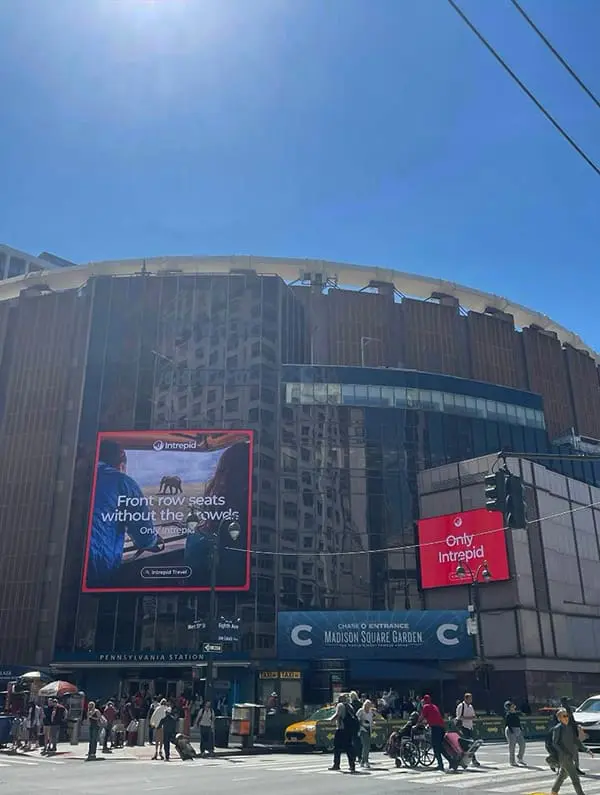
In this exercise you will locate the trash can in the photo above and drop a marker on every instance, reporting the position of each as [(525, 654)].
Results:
[(222, 732)]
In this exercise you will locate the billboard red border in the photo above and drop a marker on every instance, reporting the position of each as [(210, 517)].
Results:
[(182, 589)]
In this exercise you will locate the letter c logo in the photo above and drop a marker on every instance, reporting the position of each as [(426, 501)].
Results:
[(443, 634), (298, 632)]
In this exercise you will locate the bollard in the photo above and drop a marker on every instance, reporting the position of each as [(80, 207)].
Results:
[(75, 733), (141, 733)]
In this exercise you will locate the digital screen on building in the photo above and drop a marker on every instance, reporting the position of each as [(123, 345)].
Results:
[(468, 539), (160, 502)]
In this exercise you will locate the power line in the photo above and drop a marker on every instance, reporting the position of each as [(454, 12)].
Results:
[(405, 547), (524, 88), (556, 54)]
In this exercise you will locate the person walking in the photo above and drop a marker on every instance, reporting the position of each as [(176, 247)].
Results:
[(565, 704), (514, 734), (356, 705), (33, 723), (58, 718), (465, 720), (95, 724), (155, 721), (168, 727), (346, 730), (110, 715), (365, 721), (433, 717), (567, 746), (206, 721)]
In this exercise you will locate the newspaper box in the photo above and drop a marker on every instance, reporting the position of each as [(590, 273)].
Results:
[(248, 722)]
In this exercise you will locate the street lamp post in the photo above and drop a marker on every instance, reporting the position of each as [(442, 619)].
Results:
[(233, 528), (475, 579)]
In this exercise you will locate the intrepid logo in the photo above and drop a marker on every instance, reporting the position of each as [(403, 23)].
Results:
[(160, 445)]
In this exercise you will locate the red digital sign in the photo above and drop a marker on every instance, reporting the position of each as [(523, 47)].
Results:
[(468, 538)]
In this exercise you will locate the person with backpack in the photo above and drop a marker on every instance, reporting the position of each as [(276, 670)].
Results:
[(347, 727), (566, 746), (514, 734), (465, 720)]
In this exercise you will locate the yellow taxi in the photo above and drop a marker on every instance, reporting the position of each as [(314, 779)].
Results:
[(304, 733)]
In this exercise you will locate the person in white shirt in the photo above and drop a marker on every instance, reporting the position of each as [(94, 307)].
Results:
[(157, 716), (465, 719), (365, 717)]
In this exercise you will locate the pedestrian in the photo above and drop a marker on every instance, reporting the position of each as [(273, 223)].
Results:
[(433, 717), (365, 721), (356, 705), (33, 723), (110, 715), (567, 746), (564, 703), (58, 717), (155, 721), (206, 721), (168, 727), (513, 733), (465, 720), (47, 725), (346, 730), (95, 720), (153, 705)]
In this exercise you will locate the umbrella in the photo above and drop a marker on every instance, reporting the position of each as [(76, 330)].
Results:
[(57, 689), (34, 675)]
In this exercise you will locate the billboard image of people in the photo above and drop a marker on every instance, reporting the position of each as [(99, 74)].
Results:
[(159, 499)]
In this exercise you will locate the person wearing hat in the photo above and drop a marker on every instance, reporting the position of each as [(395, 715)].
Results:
[(513, 733)]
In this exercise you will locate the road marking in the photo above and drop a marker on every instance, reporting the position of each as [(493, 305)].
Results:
[(245, 778)]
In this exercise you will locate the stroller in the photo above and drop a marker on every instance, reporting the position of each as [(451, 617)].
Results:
[(184, 747), (460, 750)]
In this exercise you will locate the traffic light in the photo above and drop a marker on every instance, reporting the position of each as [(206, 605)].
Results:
[(495, 491), (515, 502)]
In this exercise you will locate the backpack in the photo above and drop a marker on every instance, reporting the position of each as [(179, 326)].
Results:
[(351, 724), (549, 743)]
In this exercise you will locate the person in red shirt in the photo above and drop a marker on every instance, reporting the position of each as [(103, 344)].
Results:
[(432, 715), (110, 713)]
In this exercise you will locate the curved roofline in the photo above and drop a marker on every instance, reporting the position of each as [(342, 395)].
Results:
[(290, 270)]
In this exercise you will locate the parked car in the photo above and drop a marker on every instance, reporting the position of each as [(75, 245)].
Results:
[(587, 716)]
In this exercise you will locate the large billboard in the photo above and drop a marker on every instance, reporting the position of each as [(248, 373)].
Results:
[(468, 538), (158, 499), (370, 634)]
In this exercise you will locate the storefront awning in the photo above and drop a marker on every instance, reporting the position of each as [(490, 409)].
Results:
[(370, 670)]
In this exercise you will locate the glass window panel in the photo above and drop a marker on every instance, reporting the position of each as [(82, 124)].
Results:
[(459, 402), (400, 396), (470, 405), (292, 393), (360, 393), (521, 419), (540, 421), (347, 393), (437, 400), (530, 414), (492, 411), (307, 394), (412, 397), (374, 394), (481, 407), (501, 411), (448, 401), (320, 393), (387, 395), (425, 398), (511, 412), (334, 393)]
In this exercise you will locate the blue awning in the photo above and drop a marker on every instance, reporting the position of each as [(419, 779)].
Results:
[(371, 670)]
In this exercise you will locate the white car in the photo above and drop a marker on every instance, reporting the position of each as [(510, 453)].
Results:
[(587, 716)]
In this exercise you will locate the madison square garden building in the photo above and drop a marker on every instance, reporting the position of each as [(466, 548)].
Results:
[(320, 423)]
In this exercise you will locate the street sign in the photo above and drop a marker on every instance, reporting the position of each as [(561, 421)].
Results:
[(197, 625), (215, 648)]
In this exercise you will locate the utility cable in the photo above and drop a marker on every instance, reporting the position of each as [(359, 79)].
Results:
[(524, 88), (405, 547), (556, 54)]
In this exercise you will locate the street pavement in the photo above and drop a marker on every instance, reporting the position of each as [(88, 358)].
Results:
[(296, 772)]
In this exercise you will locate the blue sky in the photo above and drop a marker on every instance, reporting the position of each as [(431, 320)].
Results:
[(369, 131), (148, 467)]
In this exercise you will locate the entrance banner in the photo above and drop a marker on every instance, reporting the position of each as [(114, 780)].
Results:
[(383, 635)]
